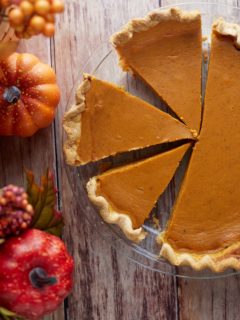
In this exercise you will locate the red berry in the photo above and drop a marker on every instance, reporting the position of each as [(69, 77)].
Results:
[(15, 211)]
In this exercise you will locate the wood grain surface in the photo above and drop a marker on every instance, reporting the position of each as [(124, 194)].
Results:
[(107, 286)]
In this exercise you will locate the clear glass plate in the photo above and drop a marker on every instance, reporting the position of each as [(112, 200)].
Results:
[(104, 64)]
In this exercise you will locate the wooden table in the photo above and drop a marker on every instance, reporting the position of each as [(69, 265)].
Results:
[(107, 285)]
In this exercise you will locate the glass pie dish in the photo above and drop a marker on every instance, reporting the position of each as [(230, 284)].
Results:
[(104, 65)]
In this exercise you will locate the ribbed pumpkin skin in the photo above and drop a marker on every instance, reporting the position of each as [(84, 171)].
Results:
[(39, 98)]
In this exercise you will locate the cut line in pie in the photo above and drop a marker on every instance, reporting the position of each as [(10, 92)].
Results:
[(204, 228)]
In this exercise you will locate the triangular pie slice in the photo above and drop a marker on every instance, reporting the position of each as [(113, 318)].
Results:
[(126, 195), (107, 120), (204, 230), (165, 50)]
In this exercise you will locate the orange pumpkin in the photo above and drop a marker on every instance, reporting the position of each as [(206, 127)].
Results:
[(29, 95)]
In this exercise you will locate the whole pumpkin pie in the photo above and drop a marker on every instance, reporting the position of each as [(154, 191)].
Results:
[(107, 120), (204, 230), (126, 195), (165, 50)]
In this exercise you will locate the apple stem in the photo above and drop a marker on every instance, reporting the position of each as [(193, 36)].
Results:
[(12, 94), (39, 278)]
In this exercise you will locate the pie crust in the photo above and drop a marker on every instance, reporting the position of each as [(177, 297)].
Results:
[(112, 217), (150, 21), (72, 123), (228, 29), (217, 262)]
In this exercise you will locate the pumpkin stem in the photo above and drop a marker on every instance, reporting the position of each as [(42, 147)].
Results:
[(12, 94), (39, 278)]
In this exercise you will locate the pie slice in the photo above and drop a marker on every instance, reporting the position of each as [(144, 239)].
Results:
[(107, 120), (126, 195), (204, 230), (165, 50)]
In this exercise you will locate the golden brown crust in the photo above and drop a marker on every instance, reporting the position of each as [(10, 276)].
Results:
[(72, 123), (150, 21), (217, 261), (110, 216), (224, 28)]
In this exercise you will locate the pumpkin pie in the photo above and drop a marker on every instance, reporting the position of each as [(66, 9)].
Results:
[(107, 120), (204, 230), (126, 195), (165, 50)]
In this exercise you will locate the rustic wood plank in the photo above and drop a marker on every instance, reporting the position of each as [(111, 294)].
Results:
[(107, 284), (208, 299), (35, 153)]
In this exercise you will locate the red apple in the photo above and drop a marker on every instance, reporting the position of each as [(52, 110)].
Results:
[(35, 274)]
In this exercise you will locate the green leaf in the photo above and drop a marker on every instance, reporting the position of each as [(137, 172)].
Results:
[(43, 199), (56, 225), (9, 315)]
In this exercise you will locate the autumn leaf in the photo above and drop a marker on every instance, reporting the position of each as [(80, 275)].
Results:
[(8, 315), (43, 198)]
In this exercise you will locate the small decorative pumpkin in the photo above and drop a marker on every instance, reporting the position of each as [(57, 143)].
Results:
[(29, 95)]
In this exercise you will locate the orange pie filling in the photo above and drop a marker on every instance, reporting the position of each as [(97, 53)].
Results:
[(165, 50), (205, 224), (107, 120), (129, 193)]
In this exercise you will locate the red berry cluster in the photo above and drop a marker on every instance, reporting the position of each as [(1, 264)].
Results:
[(15, 211), (32, 17)]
